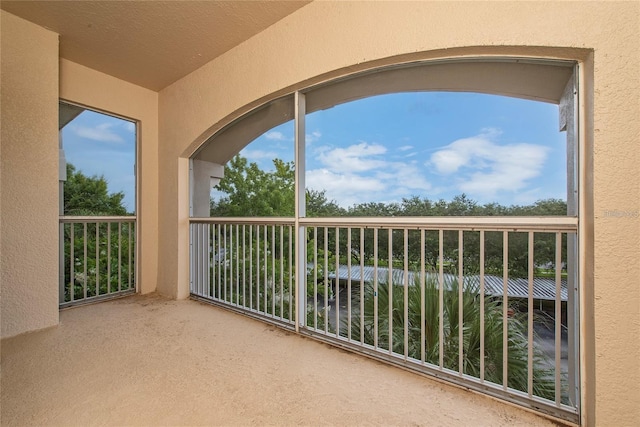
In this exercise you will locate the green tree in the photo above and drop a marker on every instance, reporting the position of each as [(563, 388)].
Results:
[(250, 191), (109, 247), (85, 195), (319, 206)]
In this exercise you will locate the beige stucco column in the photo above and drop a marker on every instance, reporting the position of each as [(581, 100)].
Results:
[(29, 177), (204, 176)]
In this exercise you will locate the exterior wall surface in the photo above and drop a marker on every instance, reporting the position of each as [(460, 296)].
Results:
[(90, 88), (326, 39), (29, 177)]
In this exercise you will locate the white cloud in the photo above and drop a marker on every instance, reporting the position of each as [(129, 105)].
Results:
[(361, 173), (279, 136), (484, 167), (345, 188), (276, 136), (355, 158), (312, 137), (101, 132), (405, 147), (129, 126)]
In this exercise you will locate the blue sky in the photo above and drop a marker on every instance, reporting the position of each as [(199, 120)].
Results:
[(429, 144), (381, 149), (102, 145)]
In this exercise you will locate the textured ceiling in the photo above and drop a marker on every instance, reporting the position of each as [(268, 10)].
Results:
[(150, 43)]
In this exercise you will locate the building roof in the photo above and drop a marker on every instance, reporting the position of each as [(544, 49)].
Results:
[(543, 289)]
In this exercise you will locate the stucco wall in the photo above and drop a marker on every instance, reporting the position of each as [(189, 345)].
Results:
[(29, 177), (332, 38), (100, 91)]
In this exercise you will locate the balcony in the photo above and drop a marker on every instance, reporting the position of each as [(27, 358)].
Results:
[(146, 360), (461, 299)]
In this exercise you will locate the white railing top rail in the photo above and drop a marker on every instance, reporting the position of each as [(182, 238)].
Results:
[(264, 220), (90, 219), (471, 223)]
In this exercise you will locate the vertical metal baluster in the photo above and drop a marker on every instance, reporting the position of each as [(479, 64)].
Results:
[(206, 259), (422, 297), (315, 277), (406, 294), (440, 299), (197, 275), (237, 254), (225, 281), (265, 265), (215, 258), (482, 306), (505, 310), (257, 285), (326, 280), (119, 256), (362, 285), (213, 253), (202, 249), (375, 288), (558, 318), (130, 246), (211, 260), (273, 270), (72, 269), (193, 259), (390, 288), (108, 257), (228, 257), (244, 265), (211, 264), (251, 266), (530, 320), (97, 258), (349, 283), (224, 262), (460, 302), (232, 264), (291, 302), (197, 241), (219, 261), (84, 245), (337, 281), (281, 272)]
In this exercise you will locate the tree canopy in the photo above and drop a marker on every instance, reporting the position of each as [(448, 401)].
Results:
[(84, 195), (248, 190)]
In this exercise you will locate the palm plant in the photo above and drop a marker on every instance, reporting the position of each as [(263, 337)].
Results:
[(517, 351)]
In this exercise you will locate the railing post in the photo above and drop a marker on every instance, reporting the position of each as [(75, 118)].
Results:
[(300, 205)]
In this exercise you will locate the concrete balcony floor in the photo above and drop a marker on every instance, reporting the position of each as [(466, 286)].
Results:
[(147, 360)]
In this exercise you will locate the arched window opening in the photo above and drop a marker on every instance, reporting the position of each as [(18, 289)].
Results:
[(425, 214)]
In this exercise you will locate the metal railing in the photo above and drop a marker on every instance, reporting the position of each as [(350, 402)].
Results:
[(488, 303), (246, 265), (97, 258)]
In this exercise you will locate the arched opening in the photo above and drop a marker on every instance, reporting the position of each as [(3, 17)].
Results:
[(446, 290)]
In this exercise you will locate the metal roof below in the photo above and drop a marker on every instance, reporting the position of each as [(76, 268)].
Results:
[(543, 289)]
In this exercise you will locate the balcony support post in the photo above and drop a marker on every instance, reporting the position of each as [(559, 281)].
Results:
[(300, 212)]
